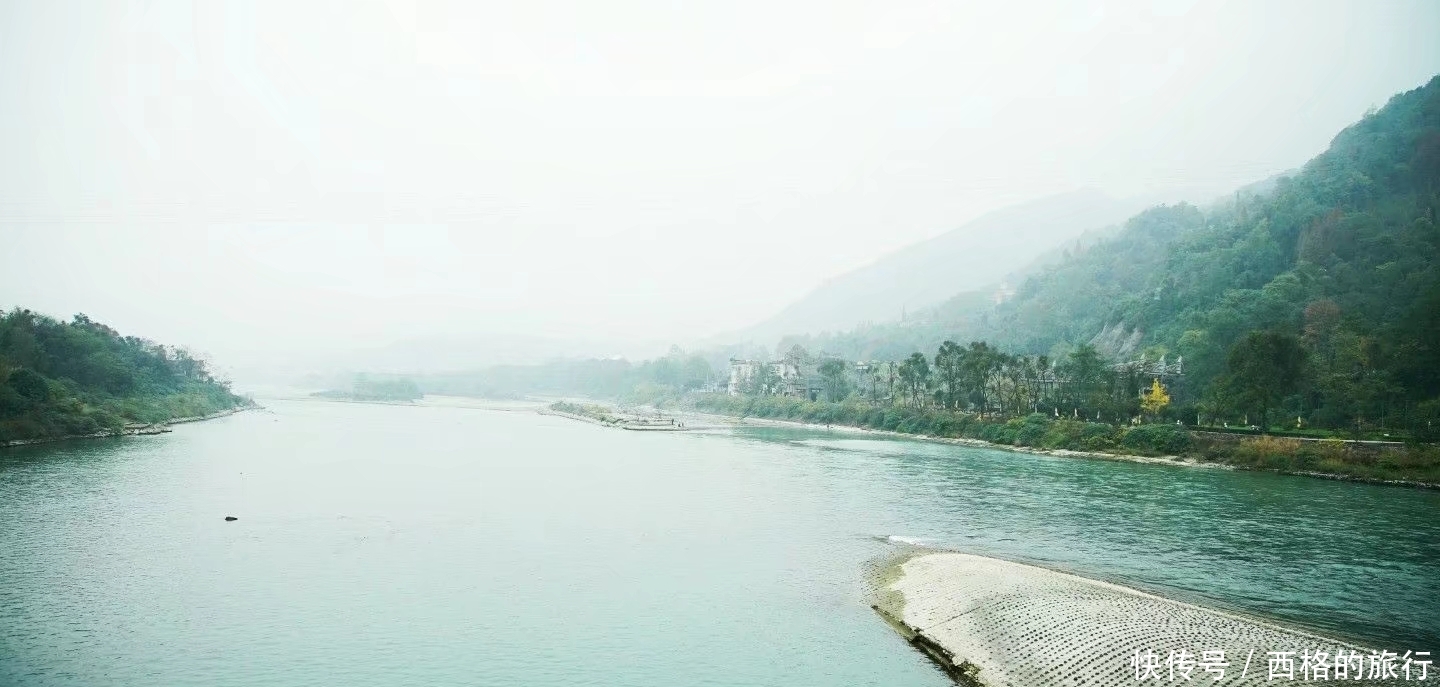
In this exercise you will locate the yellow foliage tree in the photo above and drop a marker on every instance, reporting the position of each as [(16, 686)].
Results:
[(1154, 399)]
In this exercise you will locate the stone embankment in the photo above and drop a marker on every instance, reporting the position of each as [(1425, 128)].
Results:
[(610, 417), (1002, 624)]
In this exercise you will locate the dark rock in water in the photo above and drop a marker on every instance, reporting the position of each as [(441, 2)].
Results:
[(231, 518)]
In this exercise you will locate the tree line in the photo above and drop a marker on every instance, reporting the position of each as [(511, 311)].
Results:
[(1264, 374), (981, 379)]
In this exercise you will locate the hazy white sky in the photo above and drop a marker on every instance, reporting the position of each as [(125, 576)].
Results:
[(250, 178)]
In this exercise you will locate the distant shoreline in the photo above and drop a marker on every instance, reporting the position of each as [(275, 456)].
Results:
[(962, 441), (1178, 461), (378, 402), (147, 430)]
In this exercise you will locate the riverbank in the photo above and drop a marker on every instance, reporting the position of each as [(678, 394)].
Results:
[(215, 415), (697, 416), (131, 430), (1366, 462), (992, 622), (368, 401)]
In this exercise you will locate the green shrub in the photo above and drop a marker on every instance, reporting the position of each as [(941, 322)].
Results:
[(892, 420), (1030, 430), (1167, 439)]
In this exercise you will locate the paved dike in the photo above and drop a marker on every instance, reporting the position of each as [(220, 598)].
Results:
[(997, 623)]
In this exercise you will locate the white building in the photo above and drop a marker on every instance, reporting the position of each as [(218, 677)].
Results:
[(742, 371)]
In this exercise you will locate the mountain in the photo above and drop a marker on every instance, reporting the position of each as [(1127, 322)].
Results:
[(1342, 258), (978, 254), (975, 314), (1336, 264)]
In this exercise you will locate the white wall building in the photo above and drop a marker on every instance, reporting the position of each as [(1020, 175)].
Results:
[(742, 371)]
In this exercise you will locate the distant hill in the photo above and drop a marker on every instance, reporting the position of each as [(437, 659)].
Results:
[(975, 255), (424, 355)]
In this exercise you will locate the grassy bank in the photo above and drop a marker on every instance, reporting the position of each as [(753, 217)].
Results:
[(80, 416), (1418, 463), (1410, 463)]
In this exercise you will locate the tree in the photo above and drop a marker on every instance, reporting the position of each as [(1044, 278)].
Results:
[(1262, 369), (950, 369), (697, 373), (797, 357), (1041, 391), (29, 385), (997, 380), (832, 372), (872, 374), (915, 375), (1155, 400), (978, 365), (763, 380), (1322, 319), (1083, 373)]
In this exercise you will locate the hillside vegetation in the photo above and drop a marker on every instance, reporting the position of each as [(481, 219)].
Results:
[(1337, 265), (1341, 261), (82, 377)]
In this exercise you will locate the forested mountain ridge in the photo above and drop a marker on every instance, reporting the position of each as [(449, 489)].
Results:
[(1344, 257), (1340, 260), (81, 377)]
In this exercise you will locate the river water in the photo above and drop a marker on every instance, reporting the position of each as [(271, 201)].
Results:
[(390, 545)]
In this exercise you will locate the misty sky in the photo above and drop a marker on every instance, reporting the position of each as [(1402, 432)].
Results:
[(254, 179)]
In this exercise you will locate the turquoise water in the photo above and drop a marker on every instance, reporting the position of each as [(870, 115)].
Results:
[(387, 545)]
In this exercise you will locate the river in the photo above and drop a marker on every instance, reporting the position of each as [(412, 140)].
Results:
[(388, 545)]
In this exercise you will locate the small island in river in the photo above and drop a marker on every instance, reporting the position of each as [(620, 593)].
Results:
[(610, 417), (369, 389)]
